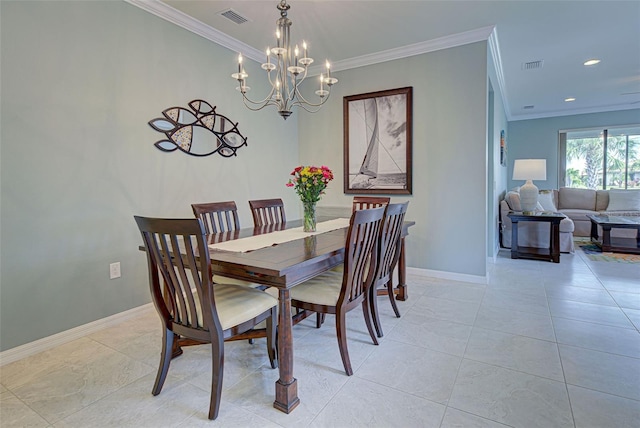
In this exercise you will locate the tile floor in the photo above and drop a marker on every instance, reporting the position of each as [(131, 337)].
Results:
[(542, 345)]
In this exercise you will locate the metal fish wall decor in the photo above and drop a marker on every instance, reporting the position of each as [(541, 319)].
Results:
[(199, 131)]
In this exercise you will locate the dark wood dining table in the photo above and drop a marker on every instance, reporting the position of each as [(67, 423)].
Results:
[(284, 266)]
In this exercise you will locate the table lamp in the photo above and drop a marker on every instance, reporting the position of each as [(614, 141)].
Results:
[(529, 169)]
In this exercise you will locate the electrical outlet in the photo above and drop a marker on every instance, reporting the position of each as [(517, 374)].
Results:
[(114, 270)]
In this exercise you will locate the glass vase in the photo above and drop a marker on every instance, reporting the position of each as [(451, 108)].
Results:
[(309, 217)]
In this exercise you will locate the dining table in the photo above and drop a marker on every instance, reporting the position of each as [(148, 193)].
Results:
[(285, 265), (287, 262)]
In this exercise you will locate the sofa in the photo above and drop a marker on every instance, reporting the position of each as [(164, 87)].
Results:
[(576, 204)]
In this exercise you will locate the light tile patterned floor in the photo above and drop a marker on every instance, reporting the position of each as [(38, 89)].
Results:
[(542, 345)]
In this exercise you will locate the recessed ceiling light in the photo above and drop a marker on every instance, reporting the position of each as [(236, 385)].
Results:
[(591, 62), (568, 100)]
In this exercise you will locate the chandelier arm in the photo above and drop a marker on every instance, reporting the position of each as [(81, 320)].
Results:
[(271, 82), (264, 101), (296, 83), (306, 108), (301, 100), (304, 76), (294, 90), (263, 105)]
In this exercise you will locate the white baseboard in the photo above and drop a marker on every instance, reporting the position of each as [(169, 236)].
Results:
[(40, 345), (475, 279)]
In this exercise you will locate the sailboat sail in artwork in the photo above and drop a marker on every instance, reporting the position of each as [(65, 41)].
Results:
[(370, 163)]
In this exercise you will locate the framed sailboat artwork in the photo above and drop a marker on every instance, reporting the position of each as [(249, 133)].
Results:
[(378, 142)]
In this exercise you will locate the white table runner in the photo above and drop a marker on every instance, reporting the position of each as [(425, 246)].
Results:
[(251, 243)]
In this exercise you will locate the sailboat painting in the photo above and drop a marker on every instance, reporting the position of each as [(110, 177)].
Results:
[(377, 133)]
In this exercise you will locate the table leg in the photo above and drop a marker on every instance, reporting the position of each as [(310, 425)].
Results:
[(514, 239), (287, 386), (606, 237), (402, 274), (554, 250), (594, 231)]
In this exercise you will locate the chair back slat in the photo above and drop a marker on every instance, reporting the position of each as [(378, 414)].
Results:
[(267, 211), (170, 276), (368, 202), (177, 250), (360, 254), (217, 216), (390, 242)]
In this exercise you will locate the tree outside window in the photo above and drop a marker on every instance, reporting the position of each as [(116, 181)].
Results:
[(603, 159)]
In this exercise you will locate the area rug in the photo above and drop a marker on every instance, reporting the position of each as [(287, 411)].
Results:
[(593, 252)]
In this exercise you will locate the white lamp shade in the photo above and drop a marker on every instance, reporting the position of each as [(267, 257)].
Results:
[(530, 169)]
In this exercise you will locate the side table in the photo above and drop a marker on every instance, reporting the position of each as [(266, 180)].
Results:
[(552, 253)]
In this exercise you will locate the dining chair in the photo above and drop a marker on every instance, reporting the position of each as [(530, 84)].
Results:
[(220, 217), (189, 305), (388, 255), (359, 203), (267, 211), (217, 216), (336, 292), (367, 202)]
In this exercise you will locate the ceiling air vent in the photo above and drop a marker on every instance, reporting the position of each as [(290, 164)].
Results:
[(533, 65), (234, 16), (527, 107)]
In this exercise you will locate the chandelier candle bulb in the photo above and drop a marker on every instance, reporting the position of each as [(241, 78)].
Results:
[(328, 70), (239, 64), (268, 56), (304, 47), (278, 37), (321, 80)]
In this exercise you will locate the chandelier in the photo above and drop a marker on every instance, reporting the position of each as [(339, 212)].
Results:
[(286, 70)]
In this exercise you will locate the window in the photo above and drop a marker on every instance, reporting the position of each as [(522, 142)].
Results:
[(601, 158)]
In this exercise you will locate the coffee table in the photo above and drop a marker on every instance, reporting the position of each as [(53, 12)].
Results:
[(615, 244), (553, 252)]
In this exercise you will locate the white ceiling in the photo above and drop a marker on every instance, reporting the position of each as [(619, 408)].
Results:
[(563, 34)]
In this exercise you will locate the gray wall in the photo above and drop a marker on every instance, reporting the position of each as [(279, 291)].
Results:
[(538, 139), (80, 81), (449, 201)]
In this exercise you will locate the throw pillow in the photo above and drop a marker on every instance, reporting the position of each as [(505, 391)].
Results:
[(624, 200), (545, 198), (576, 199), (513, 200)]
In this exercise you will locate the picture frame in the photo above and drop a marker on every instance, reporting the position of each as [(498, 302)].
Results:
[(378, 135)]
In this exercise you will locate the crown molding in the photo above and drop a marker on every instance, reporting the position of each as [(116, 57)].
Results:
[(494, 50), (446, 42), (164, 11), (587, 110), (168, 13), (489, 33)]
